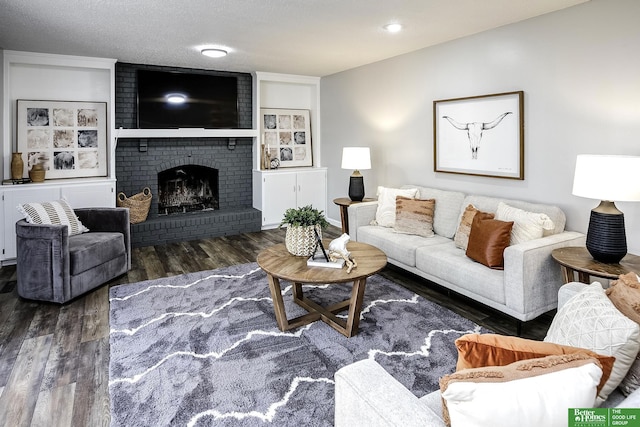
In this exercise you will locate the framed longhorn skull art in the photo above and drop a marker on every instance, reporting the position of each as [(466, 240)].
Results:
[(480, 135)]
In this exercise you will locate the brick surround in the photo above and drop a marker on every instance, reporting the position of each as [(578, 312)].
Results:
[(138, 162)]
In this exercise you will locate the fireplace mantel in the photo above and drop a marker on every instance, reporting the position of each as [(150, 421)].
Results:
[(185, 133)]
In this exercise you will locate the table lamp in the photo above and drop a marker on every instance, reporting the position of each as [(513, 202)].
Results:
[(608, 178), (356, 158)]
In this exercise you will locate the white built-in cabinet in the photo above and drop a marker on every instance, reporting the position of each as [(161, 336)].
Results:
[(37, 76), (278, 191), (91, 193), (274, 191)]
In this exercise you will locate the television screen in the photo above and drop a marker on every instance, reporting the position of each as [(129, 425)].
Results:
[(169, 100)]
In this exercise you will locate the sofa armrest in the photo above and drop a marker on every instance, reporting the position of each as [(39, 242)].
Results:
[(531, 276), (631, 401), (47, 247), (108, 220), (367, 395), (361, 214)]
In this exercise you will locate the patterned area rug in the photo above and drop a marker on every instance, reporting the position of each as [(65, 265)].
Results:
[(204, 349)]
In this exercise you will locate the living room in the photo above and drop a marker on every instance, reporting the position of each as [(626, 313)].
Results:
[(579, 77)]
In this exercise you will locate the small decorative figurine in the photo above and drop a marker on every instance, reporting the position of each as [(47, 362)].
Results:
[(338, 250)]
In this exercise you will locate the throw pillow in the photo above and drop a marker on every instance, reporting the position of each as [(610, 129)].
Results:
[(590, 320), (386, 212), (58, 212), (414, 216), (526, 225), (531, 392), (461, 238), (488, 239), (624, 293), (480, 350)]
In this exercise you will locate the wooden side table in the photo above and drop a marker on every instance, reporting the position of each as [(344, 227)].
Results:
[(578, 260), (344, 203)]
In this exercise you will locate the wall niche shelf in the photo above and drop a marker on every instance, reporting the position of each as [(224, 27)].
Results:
[(185, 133)]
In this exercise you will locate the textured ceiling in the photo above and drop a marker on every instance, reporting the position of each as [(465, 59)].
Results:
[(310, 37)]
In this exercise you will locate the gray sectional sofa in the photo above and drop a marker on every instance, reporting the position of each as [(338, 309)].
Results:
[(526, 288)]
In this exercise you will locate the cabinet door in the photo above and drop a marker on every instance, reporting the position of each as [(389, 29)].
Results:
[(312, 189), (278, 195), (12, 199), (94, 195)]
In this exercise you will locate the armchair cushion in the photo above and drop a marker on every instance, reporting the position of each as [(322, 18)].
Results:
[(89, 250), (58, 212)]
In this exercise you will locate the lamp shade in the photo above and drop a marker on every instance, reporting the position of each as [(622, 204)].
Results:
[(607, 177), (356, 158)]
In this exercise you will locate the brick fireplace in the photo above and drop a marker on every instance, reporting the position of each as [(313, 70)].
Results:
[(141, 162)]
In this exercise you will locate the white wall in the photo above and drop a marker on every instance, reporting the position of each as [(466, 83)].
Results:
[(581, 76)]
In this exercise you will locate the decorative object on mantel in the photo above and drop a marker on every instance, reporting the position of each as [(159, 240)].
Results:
[(138, 205), (287, 136), (480, 135), (37, 173), (302, 225), (356, 158), (68, 138), (608, 178), (17, 165)]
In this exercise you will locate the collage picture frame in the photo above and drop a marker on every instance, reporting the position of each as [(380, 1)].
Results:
[(286, 137)]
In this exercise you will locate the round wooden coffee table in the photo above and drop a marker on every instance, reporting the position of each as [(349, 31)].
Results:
[(279, 264)]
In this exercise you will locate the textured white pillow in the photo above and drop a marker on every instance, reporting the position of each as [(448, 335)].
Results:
[(526, 225), (529, 402), (590, 320), (386, 212), (57, 213)]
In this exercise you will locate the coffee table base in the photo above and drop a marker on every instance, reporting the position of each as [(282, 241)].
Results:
[(317, 312)]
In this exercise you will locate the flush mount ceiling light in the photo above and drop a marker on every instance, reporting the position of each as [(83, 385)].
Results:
[(214, 53), (176, 98), (393, 28)]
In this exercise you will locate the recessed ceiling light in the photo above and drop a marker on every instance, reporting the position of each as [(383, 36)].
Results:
[(176, 98), (393, 28), (214, 53)]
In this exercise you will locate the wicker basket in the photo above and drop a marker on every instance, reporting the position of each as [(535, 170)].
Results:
[(138, 205), (301, 241)]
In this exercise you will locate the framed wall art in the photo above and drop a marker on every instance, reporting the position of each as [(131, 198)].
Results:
[(286, 136), (480, 135), (69, 139)]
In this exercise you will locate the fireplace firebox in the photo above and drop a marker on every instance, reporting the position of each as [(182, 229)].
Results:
[(187, 188)]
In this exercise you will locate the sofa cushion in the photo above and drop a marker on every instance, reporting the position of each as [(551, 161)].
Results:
[(488, 239), (490, 204), (89, 250), (448, 209), (624, 293), (531, 392), (526, 225), (450, 265), (414, 216), (386, 212), (480, 350), (464, 228), (58, 212), (590, 320), (400, 247)]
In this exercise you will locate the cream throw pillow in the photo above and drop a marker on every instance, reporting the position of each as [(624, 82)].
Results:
[(527, 225), (527, 393), (57, 213), (386, 212), (590, 320)]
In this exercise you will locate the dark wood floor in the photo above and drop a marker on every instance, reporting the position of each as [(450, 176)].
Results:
[(54, 360)]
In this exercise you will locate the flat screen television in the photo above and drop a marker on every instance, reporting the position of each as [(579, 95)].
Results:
[(169, 100)]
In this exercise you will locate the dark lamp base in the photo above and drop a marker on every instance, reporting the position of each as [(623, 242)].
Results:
[(356, 188), (606, 238)]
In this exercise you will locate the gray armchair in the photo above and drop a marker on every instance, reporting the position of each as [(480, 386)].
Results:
[(53, 266)]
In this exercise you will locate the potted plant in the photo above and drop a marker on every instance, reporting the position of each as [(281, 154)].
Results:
[(300, 239)]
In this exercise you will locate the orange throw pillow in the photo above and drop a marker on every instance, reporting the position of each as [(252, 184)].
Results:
[(480, 350), (487, 241)]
